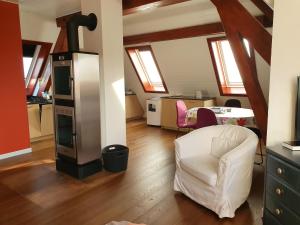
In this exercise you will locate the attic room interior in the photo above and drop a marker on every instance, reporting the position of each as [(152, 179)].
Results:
[(150, 112)]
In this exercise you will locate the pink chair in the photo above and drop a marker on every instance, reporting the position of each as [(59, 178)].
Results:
[(205, 118), (181, 116)]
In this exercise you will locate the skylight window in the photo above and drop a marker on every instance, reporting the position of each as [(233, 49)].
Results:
[(146, 67), (35, 55), (227, 73), (26, 63), (30, 54)]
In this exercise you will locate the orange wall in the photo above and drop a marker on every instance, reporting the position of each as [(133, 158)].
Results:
[(14, 133)]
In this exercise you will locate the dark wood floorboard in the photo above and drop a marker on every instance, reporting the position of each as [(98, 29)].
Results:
[(33, 193)]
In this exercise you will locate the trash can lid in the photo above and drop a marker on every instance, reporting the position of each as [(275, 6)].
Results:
[(114, 148)]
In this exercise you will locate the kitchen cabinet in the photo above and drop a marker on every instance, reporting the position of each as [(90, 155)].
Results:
[(169, 113), (40, 120), (134, 109), (34, 120), (47, 124)]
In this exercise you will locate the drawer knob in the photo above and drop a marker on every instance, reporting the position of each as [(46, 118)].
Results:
[(279, 171), (279, 191), (278, 212)]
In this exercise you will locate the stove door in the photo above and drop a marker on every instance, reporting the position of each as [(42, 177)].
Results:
[(63, 83), (65, 131)]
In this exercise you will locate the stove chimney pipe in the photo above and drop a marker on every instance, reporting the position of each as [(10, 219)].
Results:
[(89, 21)]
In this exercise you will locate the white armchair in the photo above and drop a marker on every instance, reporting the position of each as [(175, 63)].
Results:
[(214, 166)]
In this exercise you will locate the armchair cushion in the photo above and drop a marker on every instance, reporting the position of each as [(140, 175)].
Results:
[(205, 168), (220, 146), (226, 141)]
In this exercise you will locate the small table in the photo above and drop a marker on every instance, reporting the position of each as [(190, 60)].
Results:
[(228, 115)]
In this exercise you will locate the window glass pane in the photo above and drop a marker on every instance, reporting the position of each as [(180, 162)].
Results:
[(36, 88), (138, 66), (26, 64), (146, 68), (47, 72), (151, 68), (232, 71), (226, 69), (159, 88), (218, 62), (247, 46)]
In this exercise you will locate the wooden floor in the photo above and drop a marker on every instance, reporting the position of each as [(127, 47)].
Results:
[(33, 193)]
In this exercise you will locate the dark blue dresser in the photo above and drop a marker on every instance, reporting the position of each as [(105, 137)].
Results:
[(282, 187)]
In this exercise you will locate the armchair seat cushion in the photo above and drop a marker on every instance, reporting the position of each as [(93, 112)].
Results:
[(203, 167)]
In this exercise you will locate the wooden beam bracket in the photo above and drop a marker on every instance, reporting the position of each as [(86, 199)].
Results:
[(247, 27)]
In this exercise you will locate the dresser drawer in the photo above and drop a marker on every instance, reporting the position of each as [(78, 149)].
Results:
[(283, 194), (280, 212), (284, 172), (269, 219)]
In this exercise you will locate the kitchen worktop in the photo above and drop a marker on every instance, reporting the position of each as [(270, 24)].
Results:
[(38, 100), (39, 103), (187, 97), (128, 94)]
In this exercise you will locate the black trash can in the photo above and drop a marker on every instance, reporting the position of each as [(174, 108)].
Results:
[(115, 158)]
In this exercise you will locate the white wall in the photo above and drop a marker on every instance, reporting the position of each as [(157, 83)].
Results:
[(107, 40), (285, 67), (37, 28), (186, 67)]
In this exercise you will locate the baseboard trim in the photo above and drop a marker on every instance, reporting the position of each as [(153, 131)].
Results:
[(16, 153)]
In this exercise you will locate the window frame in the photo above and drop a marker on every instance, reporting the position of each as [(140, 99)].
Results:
[(42, 53), (223, 89), (46, 74), (149, 48), (33, 63)]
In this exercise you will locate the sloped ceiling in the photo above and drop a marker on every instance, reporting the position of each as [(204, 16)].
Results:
[(178, 15), (184, 14), (50, 8)]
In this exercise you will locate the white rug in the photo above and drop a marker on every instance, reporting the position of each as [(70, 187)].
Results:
[(122, 223)]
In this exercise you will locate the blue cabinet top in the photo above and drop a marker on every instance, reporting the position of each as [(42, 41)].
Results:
[(293, 157)]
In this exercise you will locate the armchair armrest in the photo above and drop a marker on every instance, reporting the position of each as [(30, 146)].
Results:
[(236, 166), (243, 151)]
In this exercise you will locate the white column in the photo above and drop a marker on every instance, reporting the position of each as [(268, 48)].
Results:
[(285, 67), (107, 40)]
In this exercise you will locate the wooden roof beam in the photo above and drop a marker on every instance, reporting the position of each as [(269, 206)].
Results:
[(179, 33), (247, 27), (265, 8), (133, 6)]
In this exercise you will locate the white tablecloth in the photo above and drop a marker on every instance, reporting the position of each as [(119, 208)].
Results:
[(228, 115)]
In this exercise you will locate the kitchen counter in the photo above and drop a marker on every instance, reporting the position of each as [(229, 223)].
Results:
[(126, 94), (188, 97), (38, 100), (39, 103), (133, 108)]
